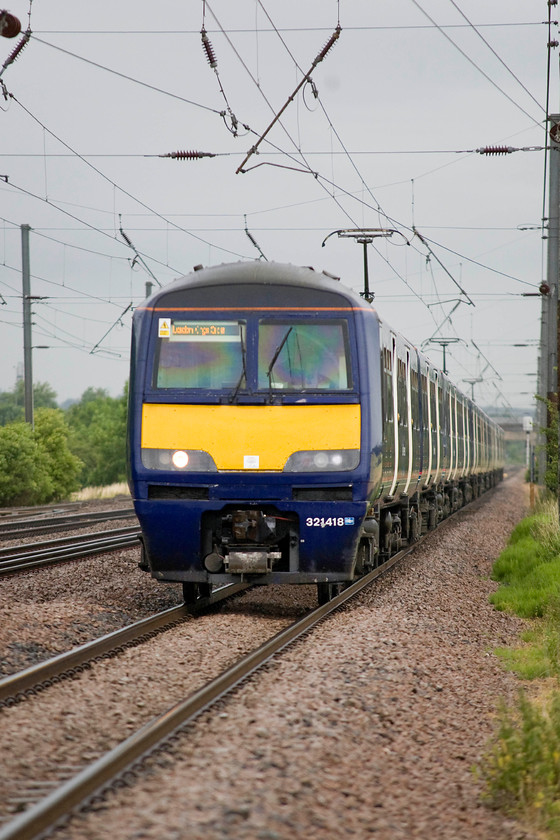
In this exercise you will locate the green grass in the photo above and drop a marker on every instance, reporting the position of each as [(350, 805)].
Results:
[(529, 663), (522, 766), (529, 568)]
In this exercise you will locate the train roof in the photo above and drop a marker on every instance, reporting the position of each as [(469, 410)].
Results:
[(260, 273)]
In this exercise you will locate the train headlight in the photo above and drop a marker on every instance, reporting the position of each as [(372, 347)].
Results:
[(323, 460), (178, 460)]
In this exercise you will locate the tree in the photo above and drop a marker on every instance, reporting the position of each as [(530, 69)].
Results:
[(63, 468), (98, 436), (12, 402), (36, 465), (23, 479)]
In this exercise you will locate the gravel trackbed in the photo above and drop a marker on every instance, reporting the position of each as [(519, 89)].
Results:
[(368, 727)]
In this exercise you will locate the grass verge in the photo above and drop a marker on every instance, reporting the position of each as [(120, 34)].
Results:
[(521, 768), (86, 494)]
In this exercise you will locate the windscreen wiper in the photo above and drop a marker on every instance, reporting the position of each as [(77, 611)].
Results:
[(275, 357), (244, 367)]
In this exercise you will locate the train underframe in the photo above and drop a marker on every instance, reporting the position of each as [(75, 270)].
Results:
[(398, 521), (329, 544)]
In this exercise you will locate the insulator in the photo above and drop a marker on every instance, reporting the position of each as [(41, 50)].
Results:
[(188, 155), (10, 26), (328, 46), (14, 54), (552, 44), (496, 150), (208, 49)]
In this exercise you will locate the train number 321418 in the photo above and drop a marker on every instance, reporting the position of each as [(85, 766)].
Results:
[(330, 522)]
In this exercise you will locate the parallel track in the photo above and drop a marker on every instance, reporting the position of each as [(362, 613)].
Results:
[(94, 781), (37, 510), (13, 527), (21, 558)]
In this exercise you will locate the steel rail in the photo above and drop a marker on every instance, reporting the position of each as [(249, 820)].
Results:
[(60, 523), (96, 778), (11, 551), (27, 510), (76, 550), (22, 685)]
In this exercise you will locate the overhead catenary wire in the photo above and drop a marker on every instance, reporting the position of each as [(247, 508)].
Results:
[(269, 104), (377, 208), (97, 299), (243, 30), (213, 62), (474, 64), (57, 207), (423, 241), (502, 62), (195, 155), (117, 186), (270, 152), (129, 78), (492, 150)]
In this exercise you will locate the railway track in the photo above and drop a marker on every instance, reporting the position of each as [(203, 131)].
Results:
[(126, 757), (38, 510), (22, 558), (25, 684), (89, 785), (13, 527)]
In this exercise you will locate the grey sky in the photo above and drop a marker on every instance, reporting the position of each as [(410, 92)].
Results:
[(405, 102)]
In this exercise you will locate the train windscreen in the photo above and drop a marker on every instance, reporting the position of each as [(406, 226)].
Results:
[(204, 355), (293, 355), (308, 355)]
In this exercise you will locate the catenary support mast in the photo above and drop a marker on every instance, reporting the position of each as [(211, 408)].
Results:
[(27, 347)]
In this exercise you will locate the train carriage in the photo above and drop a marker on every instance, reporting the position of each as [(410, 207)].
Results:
[(280, 432)]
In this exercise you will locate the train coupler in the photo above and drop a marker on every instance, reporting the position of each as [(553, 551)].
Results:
[(254, 561)]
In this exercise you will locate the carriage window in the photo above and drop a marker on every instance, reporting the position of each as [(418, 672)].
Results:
[(199, 354), (308, 355)]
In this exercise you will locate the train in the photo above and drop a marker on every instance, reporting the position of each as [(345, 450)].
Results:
[(280, 432)]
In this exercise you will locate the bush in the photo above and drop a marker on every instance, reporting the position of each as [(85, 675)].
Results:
[(36, 465)]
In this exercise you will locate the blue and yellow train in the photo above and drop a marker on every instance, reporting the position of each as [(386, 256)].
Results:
[(280, 432)]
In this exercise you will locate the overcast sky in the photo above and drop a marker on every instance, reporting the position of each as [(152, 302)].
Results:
[(384, 138)]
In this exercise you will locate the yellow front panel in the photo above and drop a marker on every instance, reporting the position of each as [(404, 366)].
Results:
[(235, 435)]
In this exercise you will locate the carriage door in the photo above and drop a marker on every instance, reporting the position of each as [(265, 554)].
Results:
[(396, 417), (436, 420), (408, 414), (427, 426)]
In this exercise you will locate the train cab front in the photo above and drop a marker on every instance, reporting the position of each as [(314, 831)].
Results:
[(246, 431)]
